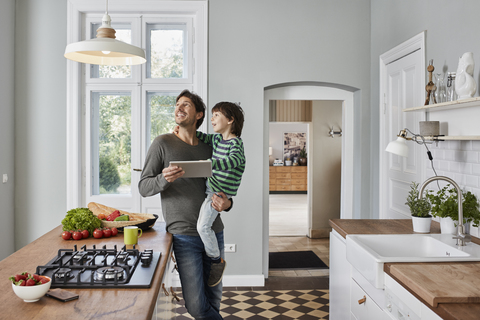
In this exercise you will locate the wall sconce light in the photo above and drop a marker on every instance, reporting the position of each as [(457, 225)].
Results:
[(270, 151), (400, 148)]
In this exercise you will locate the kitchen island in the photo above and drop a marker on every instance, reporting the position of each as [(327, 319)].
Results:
[(102, 304), (446, 311)]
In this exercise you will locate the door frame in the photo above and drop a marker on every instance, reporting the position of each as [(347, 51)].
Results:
[(350, 159), (416, 43)]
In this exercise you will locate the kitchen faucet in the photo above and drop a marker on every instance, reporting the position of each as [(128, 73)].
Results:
[(461, 237)]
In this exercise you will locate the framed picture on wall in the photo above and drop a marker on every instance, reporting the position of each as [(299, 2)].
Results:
[(293, 142)]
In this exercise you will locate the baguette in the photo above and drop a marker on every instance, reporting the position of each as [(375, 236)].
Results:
[(98, 208)]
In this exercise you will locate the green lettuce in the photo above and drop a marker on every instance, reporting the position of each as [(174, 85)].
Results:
[(81, 219)]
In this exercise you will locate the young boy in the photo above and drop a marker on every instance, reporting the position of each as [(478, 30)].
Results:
[(228, 165)]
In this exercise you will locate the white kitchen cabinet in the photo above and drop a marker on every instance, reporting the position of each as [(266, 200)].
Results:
[(348, 288), (362, 306), (340, 273), (401, 304), (165, 307)]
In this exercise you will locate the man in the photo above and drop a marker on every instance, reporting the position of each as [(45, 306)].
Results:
[(181, 201)]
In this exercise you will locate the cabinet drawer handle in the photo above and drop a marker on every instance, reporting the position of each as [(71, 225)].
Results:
[(362, 300)]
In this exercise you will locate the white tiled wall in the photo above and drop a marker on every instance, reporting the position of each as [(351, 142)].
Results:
[(460, 161)]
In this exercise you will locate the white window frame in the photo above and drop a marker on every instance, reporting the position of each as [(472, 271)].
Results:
[(77, 73), (149, 19)]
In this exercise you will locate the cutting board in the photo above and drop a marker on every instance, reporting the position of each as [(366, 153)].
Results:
[(441, 282)]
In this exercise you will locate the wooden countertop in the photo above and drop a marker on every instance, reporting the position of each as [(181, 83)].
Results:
[(450, 311), (92, 303)]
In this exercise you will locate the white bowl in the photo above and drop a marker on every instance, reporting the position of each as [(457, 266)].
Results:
[(32, 293)]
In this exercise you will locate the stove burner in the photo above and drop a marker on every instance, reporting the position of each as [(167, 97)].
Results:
[(80, 256), (123, 257), (101, 268), (109, 273), (63, 273)]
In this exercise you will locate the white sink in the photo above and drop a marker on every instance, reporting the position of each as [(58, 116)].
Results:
[(368, 252)]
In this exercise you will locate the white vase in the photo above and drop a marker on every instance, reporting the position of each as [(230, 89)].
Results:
[(465, 84), (448, 226), (421, 224)]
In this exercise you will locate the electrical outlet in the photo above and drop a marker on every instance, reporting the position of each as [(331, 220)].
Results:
[(230, 248), (5, 178)]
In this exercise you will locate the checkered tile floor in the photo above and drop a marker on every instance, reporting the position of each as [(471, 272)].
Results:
[(311, 304)]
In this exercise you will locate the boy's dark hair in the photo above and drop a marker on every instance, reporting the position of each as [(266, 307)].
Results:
[(231, 111), (197, 102)]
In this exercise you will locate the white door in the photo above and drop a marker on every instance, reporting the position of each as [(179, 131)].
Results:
[(403, 85)]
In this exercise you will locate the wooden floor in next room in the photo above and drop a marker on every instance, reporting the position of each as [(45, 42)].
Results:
[(287, 294)]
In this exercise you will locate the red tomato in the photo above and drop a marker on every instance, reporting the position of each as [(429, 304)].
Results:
[(97, 234), (114, 231), (85, 234), (66, 235), (77, 235), (107, 233)]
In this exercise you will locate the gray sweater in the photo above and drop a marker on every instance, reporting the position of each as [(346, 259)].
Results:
[(181, 199)]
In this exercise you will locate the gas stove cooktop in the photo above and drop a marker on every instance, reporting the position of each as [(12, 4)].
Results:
[(101, 268)]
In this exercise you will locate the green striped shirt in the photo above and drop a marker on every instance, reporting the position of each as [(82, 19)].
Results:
[(228, 162)]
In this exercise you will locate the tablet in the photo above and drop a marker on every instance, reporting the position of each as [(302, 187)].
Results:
[(195, 169)]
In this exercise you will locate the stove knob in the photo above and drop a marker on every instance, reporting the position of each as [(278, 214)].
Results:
[(146, 259)]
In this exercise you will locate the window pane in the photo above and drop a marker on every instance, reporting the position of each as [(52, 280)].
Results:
[(167, 51), (123, 33), (112, 143), (161, 112)]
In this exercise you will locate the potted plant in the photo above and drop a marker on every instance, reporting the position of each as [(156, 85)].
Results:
[(420, 210), (302, 159), (445, 205)]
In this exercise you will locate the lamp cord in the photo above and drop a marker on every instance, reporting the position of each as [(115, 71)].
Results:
[(430, 157)]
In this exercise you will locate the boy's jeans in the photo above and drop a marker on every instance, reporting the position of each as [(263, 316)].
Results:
[(205, 221)]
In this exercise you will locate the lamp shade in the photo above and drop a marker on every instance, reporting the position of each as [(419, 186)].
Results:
[(398, 147), (105, 51), (270, 151)]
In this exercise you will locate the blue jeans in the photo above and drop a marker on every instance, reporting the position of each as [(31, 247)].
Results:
[(201, 301), (205, 221)]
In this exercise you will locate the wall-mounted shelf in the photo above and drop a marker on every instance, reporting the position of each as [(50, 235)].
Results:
[(465, 103), (451, 138)]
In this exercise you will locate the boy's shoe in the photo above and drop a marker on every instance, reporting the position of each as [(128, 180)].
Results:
[(216, 273)]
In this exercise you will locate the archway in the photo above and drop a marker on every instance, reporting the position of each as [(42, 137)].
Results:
[(350, 158)]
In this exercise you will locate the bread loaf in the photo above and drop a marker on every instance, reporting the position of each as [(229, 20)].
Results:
[(98, 208)]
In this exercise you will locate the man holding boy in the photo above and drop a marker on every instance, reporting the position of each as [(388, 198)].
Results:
[(181, 201)]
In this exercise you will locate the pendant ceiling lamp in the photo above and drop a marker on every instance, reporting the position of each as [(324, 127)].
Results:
[(104, 49)]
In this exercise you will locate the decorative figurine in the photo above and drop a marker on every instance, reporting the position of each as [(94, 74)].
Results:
[(430, 87), (465, 84)]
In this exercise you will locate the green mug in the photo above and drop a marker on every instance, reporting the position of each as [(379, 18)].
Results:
[(130, 235)]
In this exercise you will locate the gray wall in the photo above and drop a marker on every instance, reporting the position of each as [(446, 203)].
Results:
[(7, 76), (326, 171), (254, 44), (40, 115), (451, 29)]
